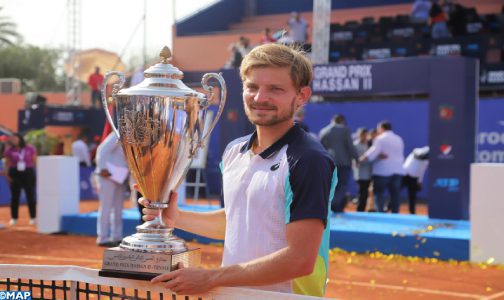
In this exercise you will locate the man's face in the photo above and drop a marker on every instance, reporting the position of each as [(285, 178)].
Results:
[(379, 130), (269, 96)]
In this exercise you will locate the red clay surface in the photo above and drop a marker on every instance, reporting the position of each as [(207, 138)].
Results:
[(351, 276)]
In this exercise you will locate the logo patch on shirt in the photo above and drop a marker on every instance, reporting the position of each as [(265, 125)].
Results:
[(275, 167)]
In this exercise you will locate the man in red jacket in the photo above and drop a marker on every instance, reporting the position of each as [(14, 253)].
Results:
[(95, 81)]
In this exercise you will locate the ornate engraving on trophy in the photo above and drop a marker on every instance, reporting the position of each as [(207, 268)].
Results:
[(138, 129)]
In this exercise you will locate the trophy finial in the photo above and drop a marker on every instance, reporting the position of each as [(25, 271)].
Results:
[(165, 54)]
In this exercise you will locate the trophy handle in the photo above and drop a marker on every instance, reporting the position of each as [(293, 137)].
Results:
[(209, 89), (115, 90)]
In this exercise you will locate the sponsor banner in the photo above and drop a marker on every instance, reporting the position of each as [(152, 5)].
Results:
[(374, 77)]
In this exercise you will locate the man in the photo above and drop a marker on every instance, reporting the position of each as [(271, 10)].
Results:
[(276, 184), (111, 190), (337, 139), (415, 166), (387, 172), (81, 151), (298, 28), (95, 81)]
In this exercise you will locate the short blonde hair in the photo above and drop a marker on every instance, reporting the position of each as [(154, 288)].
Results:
[(277, 55)]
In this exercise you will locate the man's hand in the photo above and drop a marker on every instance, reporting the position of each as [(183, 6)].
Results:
[(382, 156), (105, 173), (187, 281), (170, 214)]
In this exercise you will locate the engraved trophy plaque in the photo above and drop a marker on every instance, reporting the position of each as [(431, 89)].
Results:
[(160, 127)]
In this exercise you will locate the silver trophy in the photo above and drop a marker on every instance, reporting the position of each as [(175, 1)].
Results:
[(160, 127)]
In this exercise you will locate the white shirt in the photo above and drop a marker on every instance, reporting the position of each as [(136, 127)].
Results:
[(81, 150), (110, 151), (291, 180), (414, 166), (298, 30), (392, 146)]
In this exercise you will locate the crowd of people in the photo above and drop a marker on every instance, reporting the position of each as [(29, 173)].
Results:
[(294, 33), (446, 18), (376, 159), (18, 164)]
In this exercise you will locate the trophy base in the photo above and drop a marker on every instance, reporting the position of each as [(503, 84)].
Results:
[(122, 263)]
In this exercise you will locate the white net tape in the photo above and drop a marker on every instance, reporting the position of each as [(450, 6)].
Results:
[(73, 282)]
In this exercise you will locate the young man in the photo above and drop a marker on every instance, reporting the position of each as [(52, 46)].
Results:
[(277, 183)]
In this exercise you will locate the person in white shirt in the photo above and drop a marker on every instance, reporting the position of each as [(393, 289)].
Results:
[(81, 151), (420, 11), (298, 28), (111, 193), (388, 170), (415, 166)]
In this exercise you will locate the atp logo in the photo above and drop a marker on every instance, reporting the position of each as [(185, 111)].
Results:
[(451, 185)]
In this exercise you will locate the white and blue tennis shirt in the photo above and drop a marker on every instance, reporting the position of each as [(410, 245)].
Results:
[(293, 179)]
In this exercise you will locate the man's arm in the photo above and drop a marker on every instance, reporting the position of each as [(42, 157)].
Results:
[(295, 260), (373, 152), (350, 145), (209, 224)]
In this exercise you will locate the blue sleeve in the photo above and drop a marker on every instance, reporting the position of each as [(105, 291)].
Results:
[(308, 188)]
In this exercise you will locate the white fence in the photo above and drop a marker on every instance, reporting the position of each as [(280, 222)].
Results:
[(72, 282)]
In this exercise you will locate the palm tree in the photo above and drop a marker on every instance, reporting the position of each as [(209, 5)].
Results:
[(7, 31)]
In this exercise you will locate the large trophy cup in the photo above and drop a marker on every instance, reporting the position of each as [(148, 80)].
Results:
[(160, 127)]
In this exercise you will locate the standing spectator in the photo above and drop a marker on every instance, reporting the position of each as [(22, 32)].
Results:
[(388, 149), (95, 81), (110, 192), (439, 28), (362, 171), (420, 11), (415, 166), (458, 21), (298, 28), (20, 161), (448, 6), (267, 38), (238, 51), (81, 151), (337, 140)]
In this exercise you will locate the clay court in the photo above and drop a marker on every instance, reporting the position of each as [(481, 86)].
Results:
[(352, 276)]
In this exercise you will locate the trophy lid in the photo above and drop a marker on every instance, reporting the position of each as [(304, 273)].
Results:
[(162, 79)]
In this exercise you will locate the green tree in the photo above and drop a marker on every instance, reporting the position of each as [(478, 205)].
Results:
[(36, 67), (8, 31)]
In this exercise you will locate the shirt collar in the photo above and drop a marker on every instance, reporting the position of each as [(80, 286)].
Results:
[(273, 149)]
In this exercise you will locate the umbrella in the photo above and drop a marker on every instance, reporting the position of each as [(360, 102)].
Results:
[(92, 58)]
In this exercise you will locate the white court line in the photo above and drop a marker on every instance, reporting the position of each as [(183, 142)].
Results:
[(494, 296), (50, 258), (411, 289)]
